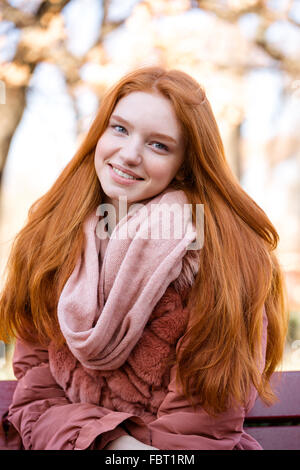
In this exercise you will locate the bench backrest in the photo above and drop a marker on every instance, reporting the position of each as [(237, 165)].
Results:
[(286, 386), (277, 427)]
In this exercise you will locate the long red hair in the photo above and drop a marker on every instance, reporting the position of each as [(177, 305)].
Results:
[(238, 273)]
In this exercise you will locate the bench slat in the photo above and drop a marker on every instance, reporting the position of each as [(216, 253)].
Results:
[(276, 437), (286, 385)]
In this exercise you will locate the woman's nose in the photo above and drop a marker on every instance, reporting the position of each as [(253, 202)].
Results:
[(131, 151)]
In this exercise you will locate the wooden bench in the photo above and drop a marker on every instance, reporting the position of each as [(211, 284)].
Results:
[(278, 427), (275, 428)]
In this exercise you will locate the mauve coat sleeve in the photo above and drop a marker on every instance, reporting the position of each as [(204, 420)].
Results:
[(179, 427), (45, 418)]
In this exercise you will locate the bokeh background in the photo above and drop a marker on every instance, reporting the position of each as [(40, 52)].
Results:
[(57, 58)]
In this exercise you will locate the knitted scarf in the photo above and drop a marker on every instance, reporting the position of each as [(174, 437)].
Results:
[(106, 303)]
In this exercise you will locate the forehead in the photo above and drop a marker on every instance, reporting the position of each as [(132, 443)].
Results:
[(149, 110)]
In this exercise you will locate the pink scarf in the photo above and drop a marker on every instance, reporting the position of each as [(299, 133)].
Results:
[(105, 304)]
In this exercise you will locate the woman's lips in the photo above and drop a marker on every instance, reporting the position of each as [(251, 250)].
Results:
[(120, 179), (125, 170)]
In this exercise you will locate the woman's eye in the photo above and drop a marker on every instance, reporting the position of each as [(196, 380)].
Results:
[(163, 146), (120, 127)]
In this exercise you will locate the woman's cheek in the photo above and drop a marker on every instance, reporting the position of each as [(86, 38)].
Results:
[(164, 173), (103, 145), (158, 171)]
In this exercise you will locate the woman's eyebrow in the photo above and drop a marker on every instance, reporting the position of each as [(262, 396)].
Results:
[(154, 134)]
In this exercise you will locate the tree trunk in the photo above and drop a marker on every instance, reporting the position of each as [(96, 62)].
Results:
[(11, 112)]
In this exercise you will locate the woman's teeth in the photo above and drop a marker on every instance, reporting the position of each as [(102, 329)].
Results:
[(119, 172)]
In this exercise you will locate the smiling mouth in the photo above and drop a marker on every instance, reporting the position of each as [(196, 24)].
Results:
[(119, 173)]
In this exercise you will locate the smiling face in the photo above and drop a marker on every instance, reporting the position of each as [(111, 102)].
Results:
[(143, 136)]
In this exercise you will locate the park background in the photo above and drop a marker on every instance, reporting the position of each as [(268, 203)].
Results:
[(58, 57)]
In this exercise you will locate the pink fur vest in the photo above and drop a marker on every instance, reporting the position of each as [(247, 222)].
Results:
[(140, 385)]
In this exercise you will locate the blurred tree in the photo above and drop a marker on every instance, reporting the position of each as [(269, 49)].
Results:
[(43, 38)]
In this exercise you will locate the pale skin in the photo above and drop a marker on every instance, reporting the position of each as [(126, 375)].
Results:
[(131, 141)]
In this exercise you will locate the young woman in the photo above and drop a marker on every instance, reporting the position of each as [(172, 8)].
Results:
[(139, 342)]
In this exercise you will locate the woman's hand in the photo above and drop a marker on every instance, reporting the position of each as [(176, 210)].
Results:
[(128, 443)]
